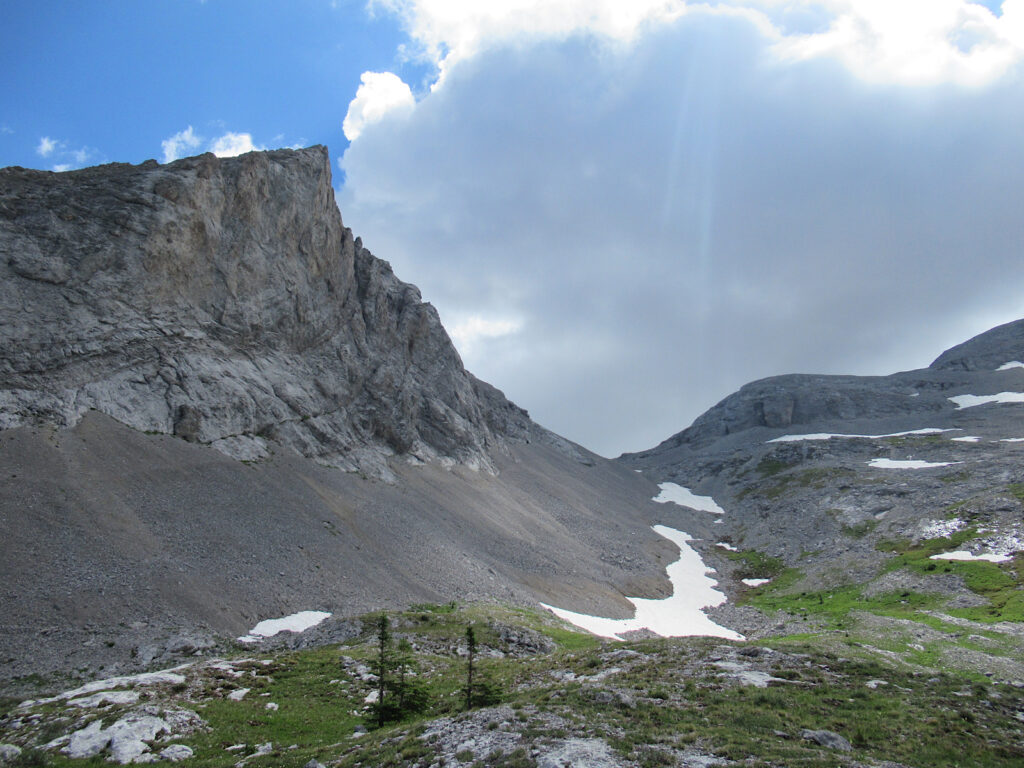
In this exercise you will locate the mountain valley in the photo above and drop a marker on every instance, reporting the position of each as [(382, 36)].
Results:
[(218, 407)]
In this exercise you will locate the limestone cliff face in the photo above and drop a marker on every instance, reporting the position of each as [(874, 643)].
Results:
[(223, 300)]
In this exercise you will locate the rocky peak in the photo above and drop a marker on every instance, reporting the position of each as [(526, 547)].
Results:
[(987, 351), (224, 301)]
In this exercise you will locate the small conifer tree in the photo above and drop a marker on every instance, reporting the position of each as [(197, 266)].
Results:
[(471, 655), (399, 691)]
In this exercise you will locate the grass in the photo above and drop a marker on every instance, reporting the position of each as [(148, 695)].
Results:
[(1000, 583), (666, 697), (814, 477), (752, 564)]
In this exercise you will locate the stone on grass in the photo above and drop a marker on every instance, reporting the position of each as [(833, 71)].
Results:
[(8, 752), (88, 741), (176, 753), (829, 739), (593, 753)]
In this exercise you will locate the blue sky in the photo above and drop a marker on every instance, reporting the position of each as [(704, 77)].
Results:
[(623, 210), (114, 79)]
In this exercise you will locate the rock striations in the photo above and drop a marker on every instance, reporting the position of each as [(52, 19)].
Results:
[(223, 301)]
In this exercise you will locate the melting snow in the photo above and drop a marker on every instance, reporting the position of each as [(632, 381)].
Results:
[(1009, 365), (677, 616), (684, 497), (908, 463), (297, 622), (965, 555), (755, 582), (829, 435), (726, 545), (970, 401), (967, 439), (1012, 440)]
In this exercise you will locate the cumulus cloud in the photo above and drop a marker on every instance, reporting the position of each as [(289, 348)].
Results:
[(451, 30), (46, 146), (232, 144), (188, 142), (917, 42), (471, 333), (908, 42), (380, 94), (57, 149), (676, 215), (180, 144)]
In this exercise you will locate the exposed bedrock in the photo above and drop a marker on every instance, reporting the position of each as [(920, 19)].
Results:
[(223, 301)]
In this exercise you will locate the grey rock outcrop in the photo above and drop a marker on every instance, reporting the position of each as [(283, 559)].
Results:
[(987, 351), (809, 403), (223, 301), (8, 753), (829, 739)]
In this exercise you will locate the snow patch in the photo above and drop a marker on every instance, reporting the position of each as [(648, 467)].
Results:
[(684, 497), (1012, 440), (965, 555), (755, 582), (830, 435), (1009, 365), (680, 615), (967, 439), (909, 463), (971, 401), (296, 622), (726, 545)]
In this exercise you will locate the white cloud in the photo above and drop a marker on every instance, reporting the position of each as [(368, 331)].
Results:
[(910, 42), (180, 144), (379, 94), (46, 146), (672, 218), (451, 30), (471, 332), (57, 149), (917, 42), (232, 144)]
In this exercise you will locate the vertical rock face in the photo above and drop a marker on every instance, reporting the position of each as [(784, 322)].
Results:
[(223, 300)]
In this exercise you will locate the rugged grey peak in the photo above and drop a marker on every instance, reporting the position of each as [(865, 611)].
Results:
[(822, 471), (987, 351), (834, 403), (798, 399), (223, 301)]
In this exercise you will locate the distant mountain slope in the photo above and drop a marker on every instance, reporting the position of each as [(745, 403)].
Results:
[(853, 484)]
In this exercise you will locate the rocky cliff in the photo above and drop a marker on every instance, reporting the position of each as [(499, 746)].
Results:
[(223, 301), (160, 322)]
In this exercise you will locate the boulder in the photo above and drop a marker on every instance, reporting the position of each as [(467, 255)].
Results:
[(829, 739)]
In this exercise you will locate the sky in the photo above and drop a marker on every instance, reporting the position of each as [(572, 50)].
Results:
[(623, 211)]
